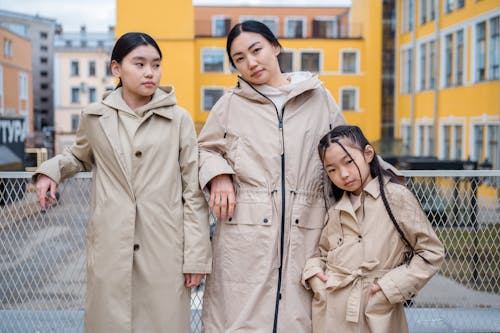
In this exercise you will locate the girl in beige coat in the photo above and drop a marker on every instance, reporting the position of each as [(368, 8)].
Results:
[(377, 249), (148, 231)]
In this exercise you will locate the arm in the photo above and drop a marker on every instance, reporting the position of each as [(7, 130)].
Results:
[(215, 171), (197, 250), (74, 159), (403, 282), (315, 266)]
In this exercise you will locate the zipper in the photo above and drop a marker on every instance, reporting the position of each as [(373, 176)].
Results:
[(283, 204)]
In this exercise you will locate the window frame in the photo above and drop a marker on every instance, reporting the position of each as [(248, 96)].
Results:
[(357, 60), (212, 49), (356, 98), (203, 96)]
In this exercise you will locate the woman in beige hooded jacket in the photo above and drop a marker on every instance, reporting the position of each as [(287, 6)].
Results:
[(148, 231), (258, 160), (378, 248)]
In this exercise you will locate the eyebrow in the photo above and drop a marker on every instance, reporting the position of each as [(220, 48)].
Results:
[(249, 48), (342, 159), (143, 58)]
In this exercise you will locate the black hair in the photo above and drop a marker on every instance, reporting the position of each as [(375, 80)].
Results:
[(127, 43), (355, 138), (250, 26)]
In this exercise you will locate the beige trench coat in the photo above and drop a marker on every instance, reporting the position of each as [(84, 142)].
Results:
[(363, 246), (259, 254), (146, 228)]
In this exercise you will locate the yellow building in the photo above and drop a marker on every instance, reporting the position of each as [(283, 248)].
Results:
[(344, 47), (447, 80)]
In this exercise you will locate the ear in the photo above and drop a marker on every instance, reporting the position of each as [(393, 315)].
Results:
[(277, 50), (369, 153), (115, 69)]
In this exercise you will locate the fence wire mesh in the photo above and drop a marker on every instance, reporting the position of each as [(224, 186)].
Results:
[(42, 255)]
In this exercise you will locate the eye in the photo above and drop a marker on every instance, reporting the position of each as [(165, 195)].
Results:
[(156, 65), (349, 161), (139, 64), (257, 50), (238, 59), (330, 170)]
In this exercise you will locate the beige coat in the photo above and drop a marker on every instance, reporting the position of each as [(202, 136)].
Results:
[(146, 228), (279, 210), (363, 246)]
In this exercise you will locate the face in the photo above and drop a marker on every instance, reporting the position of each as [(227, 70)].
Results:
[(342, 170), (256, 59), (140, 73)]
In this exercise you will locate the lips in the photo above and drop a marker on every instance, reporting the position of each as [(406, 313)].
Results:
[(149, 84)]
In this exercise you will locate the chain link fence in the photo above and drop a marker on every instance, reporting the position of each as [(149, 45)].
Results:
[(42, 255)]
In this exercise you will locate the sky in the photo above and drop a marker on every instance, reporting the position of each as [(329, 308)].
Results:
[(98, 15)]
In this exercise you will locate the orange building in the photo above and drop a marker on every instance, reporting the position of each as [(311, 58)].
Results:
[(16, 95)]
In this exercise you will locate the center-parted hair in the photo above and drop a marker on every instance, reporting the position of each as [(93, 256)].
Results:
[(250, 26)]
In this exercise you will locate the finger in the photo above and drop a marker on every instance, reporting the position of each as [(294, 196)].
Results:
[(223, 206), (53, 187), (212, 199), (322, 277), (216, 208), (231, 204), (187, 280)]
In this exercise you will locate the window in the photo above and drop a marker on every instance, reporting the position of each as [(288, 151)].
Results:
[(44, 86), (432, 10), (107, 69), (23, 86), (213, 60), (68, 43), (44, 60), (75, 122), (44, 48), (480, 69), (43, 35), (494, 46), (92, 68), (452, 142), (478, 142), (447, 142), (44, 73), (348, 99), (485, 140), (295, 27), (425, 140), (406, 138), (220, 26), (75, 95), (423, 11), (7, 47), (285, 59), (406, 71), (459, 57), (423, 66), (492, 146), (44, 99), (1, 89), (310, 61), (92, 95), (448, 6), (349, 61), (448, 60), (325, 27), (74, 69), (83, 43), (408, 10), (432, 64), (210, 97)]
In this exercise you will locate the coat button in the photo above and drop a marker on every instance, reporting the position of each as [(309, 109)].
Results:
[(297, 221), (138, 153), (136, 247), (266, 220)]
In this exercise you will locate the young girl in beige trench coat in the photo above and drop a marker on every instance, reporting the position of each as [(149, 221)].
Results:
[(363, 272), (148, 231)]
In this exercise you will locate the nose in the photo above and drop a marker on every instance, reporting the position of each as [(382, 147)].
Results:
[(148, 72), (252, 62), (344, 172)]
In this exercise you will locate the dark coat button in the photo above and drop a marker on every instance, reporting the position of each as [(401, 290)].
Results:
[(138, 153), (297, 221), (136, 247), (266, 220)]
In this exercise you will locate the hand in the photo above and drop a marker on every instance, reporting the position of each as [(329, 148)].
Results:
[(375, 288), (222, 199), (45, 184), (321, 276), (192, 280)]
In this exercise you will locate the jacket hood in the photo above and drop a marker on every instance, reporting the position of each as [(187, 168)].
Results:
[(308, 81), (163, 96)]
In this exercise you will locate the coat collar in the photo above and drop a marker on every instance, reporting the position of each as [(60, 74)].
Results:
[(372, 189), (247, 90)]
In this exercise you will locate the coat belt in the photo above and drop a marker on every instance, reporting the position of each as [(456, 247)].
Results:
[(340, 277)]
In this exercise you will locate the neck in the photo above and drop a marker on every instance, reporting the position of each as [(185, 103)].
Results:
[(279, 81)]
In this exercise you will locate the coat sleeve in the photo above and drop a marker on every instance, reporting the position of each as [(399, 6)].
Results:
[(336, 117), (317, 264), (76, 158), (197, 249), (213, 144), (403, 282)]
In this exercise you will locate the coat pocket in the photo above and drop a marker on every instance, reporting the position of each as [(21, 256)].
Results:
[(247, 243)]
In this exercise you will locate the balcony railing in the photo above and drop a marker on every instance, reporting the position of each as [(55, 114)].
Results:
[(42, 255)]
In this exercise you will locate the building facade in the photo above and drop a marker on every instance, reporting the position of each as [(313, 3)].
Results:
[(448, 79), (81, 76), (40, 31), (335, 42)]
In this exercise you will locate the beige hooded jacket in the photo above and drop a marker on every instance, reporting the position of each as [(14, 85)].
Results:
[(148, 226), (361, 246), (260, 252)]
